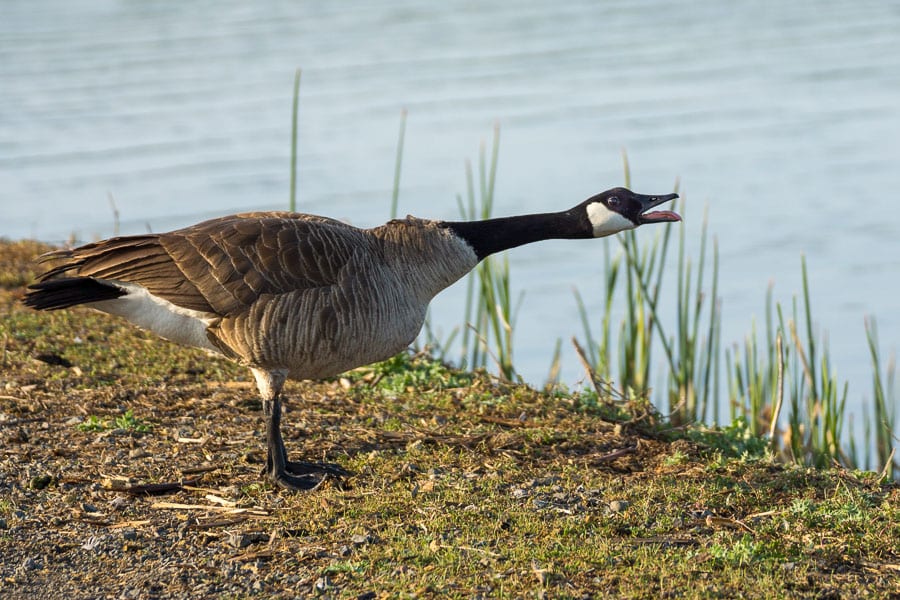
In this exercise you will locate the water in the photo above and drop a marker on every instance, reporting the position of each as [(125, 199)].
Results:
[(783, 117)]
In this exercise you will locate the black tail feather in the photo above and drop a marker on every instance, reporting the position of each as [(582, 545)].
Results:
[(55, 294)]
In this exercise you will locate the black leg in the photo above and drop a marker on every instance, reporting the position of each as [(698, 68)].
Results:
[(276, 459), (291, 475)]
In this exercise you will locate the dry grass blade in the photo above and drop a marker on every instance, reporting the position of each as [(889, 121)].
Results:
[(213, 523), (124, 524), (256, 512), (520, 422), (663, 541), (887, 466), (726, 522)]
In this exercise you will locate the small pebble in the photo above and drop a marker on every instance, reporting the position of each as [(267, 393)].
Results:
[(359, 539), (322, 584), (130, 534), (242, 540), (138, 453), (618, 505), (89, 508)]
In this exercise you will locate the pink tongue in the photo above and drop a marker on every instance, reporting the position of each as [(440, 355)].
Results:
[(661, 215)]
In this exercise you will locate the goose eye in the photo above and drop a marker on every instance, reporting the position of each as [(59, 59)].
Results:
[(614, 201)]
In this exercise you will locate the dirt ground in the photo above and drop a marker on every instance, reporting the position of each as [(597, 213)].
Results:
[(129, 468)]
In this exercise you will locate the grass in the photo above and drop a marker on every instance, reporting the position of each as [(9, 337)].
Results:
[(126, 422), (467, 485)]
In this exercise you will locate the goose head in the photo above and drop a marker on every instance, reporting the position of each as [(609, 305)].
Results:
[(620, 209)]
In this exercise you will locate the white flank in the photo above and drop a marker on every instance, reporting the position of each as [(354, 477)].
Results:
[(606, 222), (174, 323)]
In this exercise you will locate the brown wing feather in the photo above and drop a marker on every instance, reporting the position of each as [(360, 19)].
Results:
[(224, 265)]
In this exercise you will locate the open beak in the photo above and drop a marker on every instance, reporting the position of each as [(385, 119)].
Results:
[(657, 216)]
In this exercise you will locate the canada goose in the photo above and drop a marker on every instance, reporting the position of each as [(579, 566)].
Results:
[(302, 296)]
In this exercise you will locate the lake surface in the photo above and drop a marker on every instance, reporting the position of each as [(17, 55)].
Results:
[(782, 117)]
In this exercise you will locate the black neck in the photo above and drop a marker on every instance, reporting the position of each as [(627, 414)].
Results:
[(496, 235)]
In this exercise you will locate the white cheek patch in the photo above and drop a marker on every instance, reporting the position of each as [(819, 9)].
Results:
[(606, 222)]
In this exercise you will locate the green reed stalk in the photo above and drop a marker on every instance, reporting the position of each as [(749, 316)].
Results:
[(292, 204), (489, 311), (398, 162), (598, 351), (469, 350), (884, 418), (818, 402), (753, 376)]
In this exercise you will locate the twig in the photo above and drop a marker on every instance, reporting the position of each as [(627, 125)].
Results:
[(130, 524), (592, 375), (252, 556), (186, 440), (767, 513), (121, 485), (880, 567), (198, 470), (615, 454), (222, 501)]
